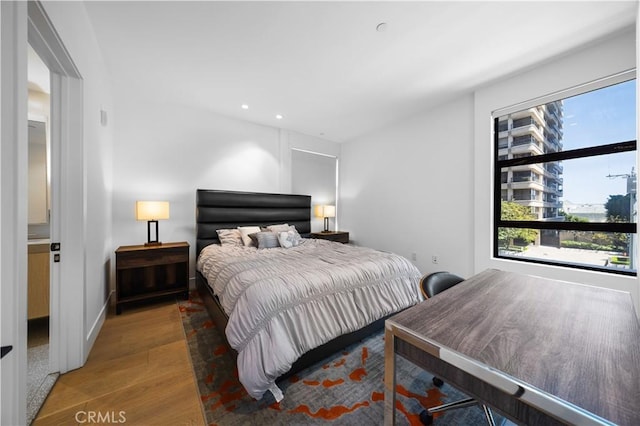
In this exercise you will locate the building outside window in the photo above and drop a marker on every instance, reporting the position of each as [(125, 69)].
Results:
[(565, 179)]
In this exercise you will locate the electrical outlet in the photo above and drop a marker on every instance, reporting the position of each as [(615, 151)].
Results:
[(414, 256), (434, 259)]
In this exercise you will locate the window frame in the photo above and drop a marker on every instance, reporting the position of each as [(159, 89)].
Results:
[(605, 149)]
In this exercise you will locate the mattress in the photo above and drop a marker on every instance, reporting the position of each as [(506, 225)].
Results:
[(283, 302)]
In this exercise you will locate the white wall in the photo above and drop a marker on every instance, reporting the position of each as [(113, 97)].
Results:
[(424, 185), (75, 30), (166, 151), (409, 188), (606, 58)]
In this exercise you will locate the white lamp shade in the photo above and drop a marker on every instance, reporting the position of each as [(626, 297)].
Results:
[(325, 211), (152, 210), (329, 211)]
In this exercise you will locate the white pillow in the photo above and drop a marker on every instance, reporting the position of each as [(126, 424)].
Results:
[(278, 228), (244, 233), (293, 229), (230, 237), (288, 239)]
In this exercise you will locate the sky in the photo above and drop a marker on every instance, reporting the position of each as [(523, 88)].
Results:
[(600, 117)]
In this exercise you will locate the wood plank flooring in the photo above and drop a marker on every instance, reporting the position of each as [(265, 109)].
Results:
[(140, 366)]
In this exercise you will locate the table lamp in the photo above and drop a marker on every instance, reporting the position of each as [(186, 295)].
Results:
[(325, 212), (152, 211)]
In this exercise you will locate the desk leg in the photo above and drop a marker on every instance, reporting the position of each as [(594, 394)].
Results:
[(389, 377)]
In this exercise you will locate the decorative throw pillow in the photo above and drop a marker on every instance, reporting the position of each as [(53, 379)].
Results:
[(231, 237), (293, 229), (278, 228), (288, 239), (266, 239), (254, 238), (245, 231)]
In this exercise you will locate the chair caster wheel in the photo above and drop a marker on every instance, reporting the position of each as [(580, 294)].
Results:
[(437, 382), (426, 418)]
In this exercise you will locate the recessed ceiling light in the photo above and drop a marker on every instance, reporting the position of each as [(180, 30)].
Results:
[(245, 106), (382, 26), (279, 116)]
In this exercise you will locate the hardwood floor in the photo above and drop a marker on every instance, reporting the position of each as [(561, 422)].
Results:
[(138, 372)]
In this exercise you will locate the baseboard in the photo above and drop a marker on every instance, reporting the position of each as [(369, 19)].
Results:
[(96, 327)]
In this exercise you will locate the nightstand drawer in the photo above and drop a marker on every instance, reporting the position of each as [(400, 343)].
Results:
[(337, 236), (139, 259)]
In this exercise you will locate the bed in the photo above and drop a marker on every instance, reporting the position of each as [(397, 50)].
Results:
[(283, 309)]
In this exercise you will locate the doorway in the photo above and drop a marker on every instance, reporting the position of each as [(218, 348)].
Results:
[(25, 23), (40, 376), (315, 174)]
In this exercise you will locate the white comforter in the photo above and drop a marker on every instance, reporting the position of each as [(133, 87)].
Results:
[(283, 302)]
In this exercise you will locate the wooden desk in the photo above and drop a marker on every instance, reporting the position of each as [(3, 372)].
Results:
[(538, 351)]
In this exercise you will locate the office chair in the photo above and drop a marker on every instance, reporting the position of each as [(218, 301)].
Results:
[(430, 285)]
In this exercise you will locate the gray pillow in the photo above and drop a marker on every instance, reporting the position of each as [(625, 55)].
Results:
[(266, 239)]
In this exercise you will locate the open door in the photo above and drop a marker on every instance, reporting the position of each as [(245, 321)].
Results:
[(13, 216)]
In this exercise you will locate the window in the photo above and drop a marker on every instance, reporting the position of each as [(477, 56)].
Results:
[(565, 178)]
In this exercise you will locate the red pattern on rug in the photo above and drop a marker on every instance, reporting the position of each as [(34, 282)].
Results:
[(228, 394)]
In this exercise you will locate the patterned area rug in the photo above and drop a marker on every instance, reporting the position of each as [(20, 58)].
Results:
[(346, 389)]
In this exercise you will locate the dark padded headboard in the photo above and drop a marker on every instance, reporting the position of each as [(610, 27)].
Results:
[(229, 209)]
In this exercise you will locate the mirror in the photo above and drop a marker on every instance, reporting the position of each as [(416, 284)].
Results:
[(38, 200)]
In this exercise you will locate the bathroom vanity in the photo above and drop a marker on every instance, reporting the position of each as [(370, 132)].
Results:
[(38, 279)]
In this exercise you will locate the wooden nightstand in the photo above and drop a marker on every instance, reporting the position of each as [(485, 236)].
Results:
[(144, 272), (337, 236)]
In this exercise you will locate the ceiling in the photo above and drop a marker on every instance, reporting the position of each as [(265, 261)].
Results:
[(323, 65)]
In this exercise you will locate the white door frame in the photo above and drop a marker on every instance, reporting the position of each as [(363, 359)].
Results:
[(66, 349), (21, 22)]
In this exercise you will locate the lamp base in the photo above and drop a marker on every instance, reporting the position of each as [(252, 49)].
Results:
[(150, 242)]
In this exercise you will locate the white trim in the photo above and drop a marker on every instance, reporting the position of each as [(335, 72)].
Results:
[(314, 152), (97, 324), (67, 349), (337, 219), (567, 93), (45, 40)]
